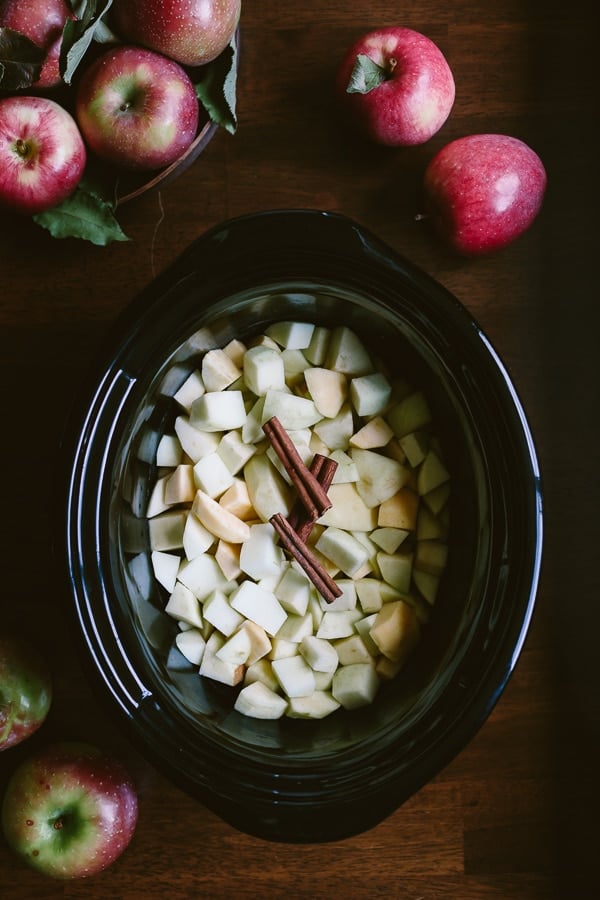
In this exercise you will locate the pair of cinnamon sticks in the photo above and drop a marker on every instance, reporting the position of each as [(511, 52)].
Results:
[(311, 486)]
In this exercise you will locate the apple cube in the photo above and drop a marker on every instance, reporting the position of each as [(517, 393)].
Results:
[(375, 433), (201, 575), (347, 353), (294, 364), (156, 501), (336, 432), (346, 467), (368, 591), (262, 671), (396, 630), (294, 675), (293, 591), (363, 628), (260, 554), (228, 557), (165, 567), (268, 492), (370, 394), (319, 653), (355, 685), (179, 486), (396, 569), (237, 500), (316, 351), (428, 584), (399, 511), (292, 335), (218, 520), (264, 370), (166, 530), (335, 624), (344, 551), (431, 556), (168, 452), (218, 411), (260, 643), (351, 650), (234, 451), (259, 702), (379, 476), (389, 539), (437, 499), (235, 350), (432, 473), (195, 443), (218, 669), (346, 600), (429, 526), (348, 506), (317, 705), (327, 388), (292, 411), (236, 648), (192, 388), (192, 645), (282, 649), (259, 605), (410, 414), (295, 628), (415, 446), (196, 538), (218, 611), (212, 476), (218, 370), (184, 606)]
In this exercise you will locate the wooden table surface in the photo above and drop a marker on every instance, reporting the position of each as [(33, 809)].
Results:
[(515, 815)]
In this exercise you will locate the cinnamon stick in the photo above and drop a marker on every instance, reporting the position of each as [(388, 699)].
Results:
[(310, 492), (326, 471), (321, 579)]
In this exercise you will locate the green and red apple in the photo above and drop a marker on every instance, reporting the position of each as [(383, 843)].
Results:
[(25, 690)]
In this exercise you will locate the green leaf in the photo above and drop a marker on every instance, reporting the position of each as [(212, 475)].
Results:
[(85, 214), (20, 61), (79, 33), (365, 76), (217, 88)]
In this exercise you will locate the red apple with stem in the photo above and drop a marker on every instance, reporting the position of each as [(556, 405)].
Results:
[(136, 108), (25, 690), (69, 810), (484, 190), (42, 21), (42, 154), (396, 87), (193, 32)]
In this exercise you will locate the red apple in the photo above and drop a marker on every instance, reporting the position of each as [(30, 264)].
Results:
[(484, 190), (42, 21), (193, 32), (25, 690), (395, 86), (42, 154), (136, 108), (69, 810)]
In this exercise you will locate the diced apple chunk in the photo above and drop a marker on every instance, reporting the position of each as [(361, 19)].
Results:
[(400, 510), (218, 520), (396, 569), (180, 486), (355, 685), (165, 567), (268, 492), (218, 370), (218, 411), (260, 554), (370, 394), (192, 388), (292, 335), (336, 432), (316, 706), (184, 606), (201, 575), (293, 591), (218, 611), (347, 353), (236, 648), (427, 584), (344, 550), (294, 675), (217, 669), (235, 452), (348, 506), (431, 556), (258, 605), (337, 624), (195, 443), (375, 433), (166, 530), (264, 370), (431, 474), (317, 348), (212, 476), (351, 650), (410, 414), (257, 701), (379, 476), (192, 645), (396, 630), (196, 538), (319, 653), (327, 388), (292, 411), (169, 451)]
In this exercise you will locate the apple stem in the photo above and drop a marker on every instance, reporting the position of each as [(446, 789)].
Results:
[(22, 148), (58, 824)]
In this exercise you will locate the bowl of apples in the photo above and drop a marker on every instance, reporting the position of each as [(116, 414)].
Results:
[(303, 525)]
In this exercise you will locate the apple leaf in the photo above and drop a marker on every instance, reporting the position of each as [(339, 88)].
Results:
[(216, 89), (79, 33), (366, 75), (20, 60), (85, 214)]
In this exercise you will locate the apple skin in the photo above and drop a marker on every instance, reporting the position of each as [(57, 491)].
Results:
[(136, 108), (192, 32), (42, 21), (69, 810), (416, 98), (484, 190), (25, 690), (42, 154)]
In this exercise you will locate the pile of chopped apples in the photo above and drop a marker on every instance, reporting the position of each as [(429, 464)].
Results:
[(248, 616)]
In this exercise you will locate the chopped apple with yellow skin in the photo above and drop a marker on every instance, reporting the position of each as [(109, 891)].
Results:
[(316, 351), (431, 474), (396, 630), (166, 530), (264, 370), (195, 443), (410, 414), (228, 557), (192, 388), (328, 390), (370, 394), (291, 335), (294, 675), (165, 567), (218, 520), (355, 685), (192, 645), (218, 411), (180, 486), (218, 669), (236, 500), (259, 605), (168, 452), (336, 432), (344, 550), (375, 433), (292, 411), (347, 353), (217, 610), (258, 701), (379, 476), (396, 569), (184, 606), (317, 706), (268, 492), (399, 511), (218, 370), (348, 506)]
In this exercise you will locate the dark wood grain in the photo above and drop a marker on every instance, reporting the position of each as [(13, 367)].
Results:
[(515, 815)]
